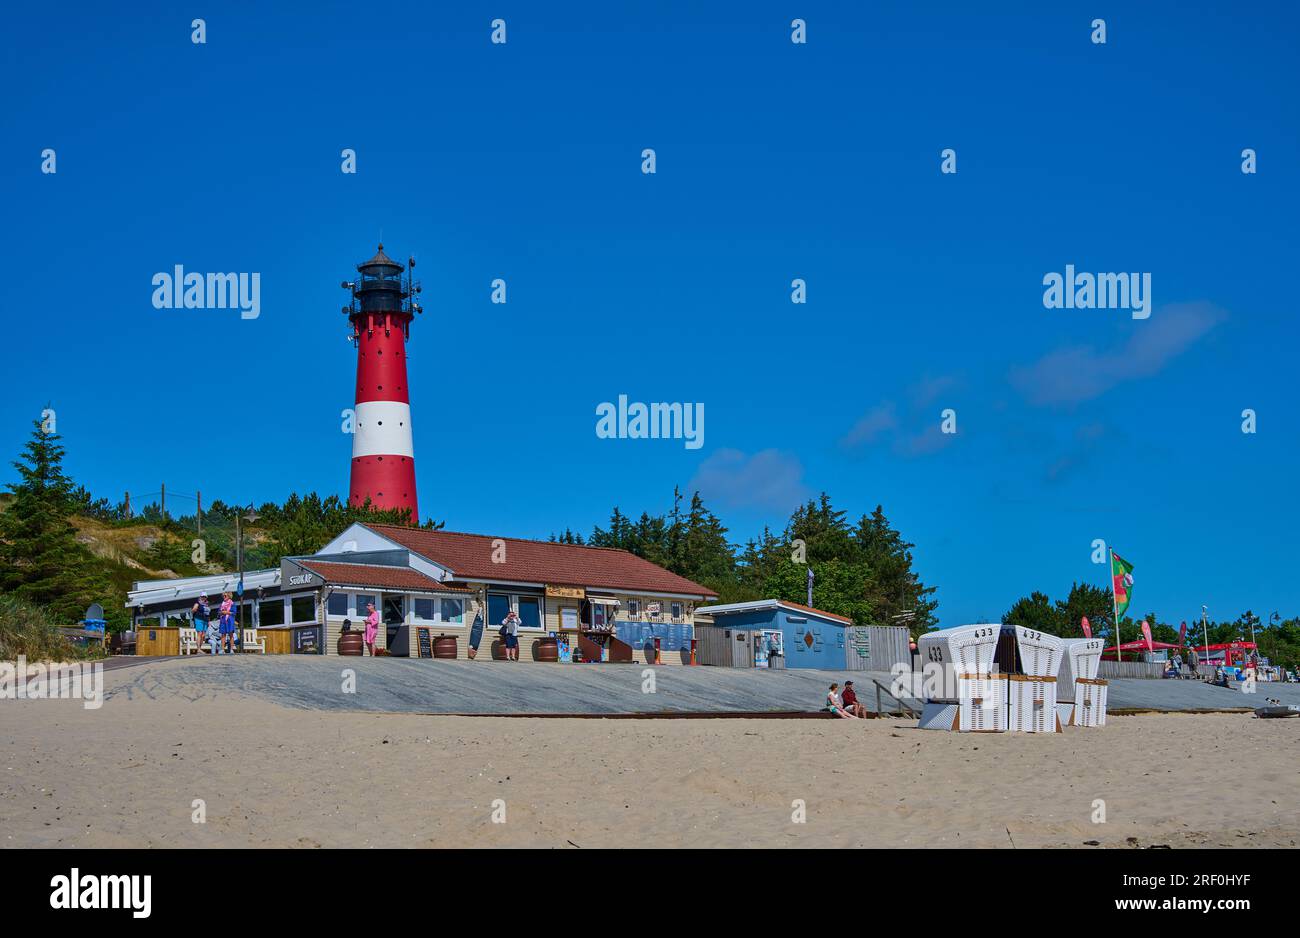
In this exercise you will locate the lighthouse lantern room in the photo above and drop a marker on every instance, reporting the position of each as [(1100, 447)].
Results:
[(383, 456)]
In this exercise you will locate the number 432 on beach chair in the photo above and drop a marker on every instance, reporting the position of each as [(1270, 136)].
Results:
[(252, 642)]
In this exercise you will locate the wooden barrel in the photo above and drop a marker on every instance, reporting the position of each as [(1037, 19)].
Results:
[(548, 649), (444, 646), (352, 643)]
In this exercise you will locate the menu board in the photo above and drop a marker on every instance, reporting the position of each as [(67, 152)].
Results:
[(673, 636), (424, 643), (307, 640)]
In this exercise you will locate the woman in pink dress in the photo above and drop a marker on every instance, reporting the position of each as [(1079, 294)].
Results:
[(372, 627)]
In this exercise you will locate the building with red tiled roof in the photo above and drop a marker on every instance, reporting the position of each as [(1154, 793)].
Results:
[(601, 604), (605, 604)]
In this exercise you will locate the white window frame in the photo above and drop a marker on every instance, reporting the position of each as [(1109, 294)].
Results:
[(348, 600), (512, 600), (676, 610), (634, 610), (439, 600), (437, 610)]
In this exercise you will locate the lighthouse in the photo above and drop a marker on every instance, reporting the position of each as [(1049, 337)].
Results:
[(383, 452)]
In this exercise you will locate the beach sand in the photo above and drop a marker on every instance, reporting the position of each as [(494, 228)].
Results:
[(126, 776)]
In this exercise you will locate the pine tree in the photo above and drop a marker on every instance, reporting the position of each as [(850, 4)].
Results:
[(896, 589), (40, 558)]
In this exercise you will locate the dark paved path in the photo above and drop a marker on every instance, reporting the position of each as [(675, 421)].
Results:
[(397, 685)]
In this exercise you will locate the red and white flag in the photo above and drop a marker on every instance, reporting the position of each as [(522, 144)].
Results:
[(1087, 628), (1146, 633)]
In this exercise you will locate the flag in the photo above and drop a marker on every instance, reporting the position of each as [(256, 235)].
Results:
[(1146, 633), (1087, 627), (1182, 634), (1121, 572)]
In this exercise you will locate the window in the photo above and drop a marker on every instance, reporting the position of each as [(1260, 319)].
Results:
[(270, 612), (528, 606), (453, 611), (424, 609), (597, 615), (530, 612), (677, 610), (303, 608), (362, 600), (634, 608), (393, 609), (338, 604), (246, 618)]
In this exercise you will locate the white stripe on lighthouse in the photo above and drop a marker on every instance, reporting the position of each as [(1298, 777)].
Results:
[(383, 429)]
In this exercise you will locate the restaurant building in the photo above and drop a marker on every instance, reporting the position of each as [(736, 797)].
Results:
[(603, 604)]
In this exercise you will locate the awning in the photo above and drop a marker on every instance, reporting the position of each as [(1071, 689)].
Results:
[(602, 600)]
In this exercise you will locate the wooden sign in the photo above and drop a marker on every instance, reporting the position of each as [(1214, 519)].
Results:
[(424, 642), (565, 592)]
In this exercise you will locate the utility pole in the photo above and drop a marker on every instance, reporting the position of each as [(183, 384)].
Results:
[(128, 504), (162, 501), (199, 498)]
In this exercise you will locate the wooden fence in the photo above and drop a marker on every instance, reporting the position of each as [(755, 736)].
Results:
[(876, 647), (724, 648), (157, 642), (1145, 669)]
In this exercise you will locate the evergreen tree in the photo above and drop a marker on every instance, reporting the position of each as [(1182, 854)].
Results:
[(896, 590), (40, 558)]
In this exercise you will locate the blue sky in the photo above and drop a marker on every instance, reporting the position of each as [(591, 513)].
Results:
[(774, 161)]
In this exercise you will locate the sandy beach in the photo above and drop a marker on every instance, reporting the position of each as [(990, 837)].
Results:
[(126, 776)]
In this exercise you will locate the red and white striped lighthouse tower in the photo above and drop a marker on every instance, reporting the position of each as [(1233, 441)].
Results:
[(383, 455)]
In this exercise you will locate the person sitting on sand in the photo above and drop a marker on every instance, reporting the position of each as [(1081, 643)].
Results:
[(849, 700), (834, 706)]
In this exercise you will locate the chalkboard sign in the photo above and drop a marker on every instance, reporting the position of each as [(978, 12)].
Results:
[(424, 643), (307, 641)]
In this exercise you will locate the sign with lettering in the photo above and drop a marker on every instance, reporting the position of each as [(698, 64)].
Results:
[(565, 592), (307, 641), (302, 579), (424, 642)]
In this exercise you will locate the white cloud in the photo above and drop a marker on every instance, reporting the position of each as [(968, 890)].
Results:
[(767, 479), (1079, 373)]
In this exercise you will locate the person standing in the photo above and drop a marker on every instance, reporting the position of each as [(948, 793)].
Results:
[(201, 613), (227, 622), (372, 627), (510, 635)]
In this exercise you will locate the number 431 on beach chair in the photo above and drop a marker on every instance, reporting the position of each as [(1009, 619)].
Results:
[(252, 642)]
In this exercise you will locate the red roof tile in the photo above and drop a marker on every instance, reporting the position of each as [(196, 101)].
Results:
[(355, 574), (469, 557)]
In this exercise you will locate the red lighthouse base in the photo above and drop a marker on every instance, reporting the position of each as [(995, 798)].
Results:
[(389, 481)]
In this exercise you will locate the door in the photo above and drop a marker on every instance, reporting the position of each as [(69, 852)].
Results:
[(395, 627)]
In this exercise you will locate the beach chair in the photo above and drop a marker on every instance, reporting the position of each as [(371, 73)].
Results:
[(253, 643), (189, 639)]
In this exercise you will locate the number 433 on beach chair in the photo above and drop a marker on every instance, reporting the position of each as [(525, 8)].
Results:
[(252, 642)]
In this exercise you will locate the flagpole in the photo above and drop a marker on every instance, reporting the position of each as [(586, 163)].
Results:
[(1205, 631), (1114, 605)]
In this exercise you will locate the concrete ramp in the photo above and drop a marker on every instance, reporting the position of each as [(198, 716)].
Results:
[(403, 685)]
